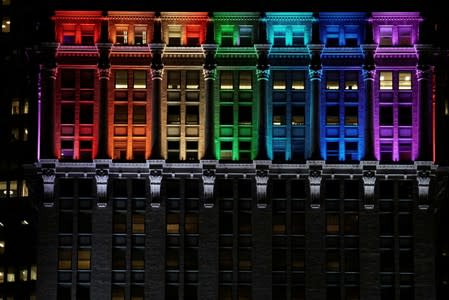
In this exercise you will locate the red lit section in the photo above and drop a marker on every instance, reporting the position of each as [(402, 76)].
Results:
[(77, 28)]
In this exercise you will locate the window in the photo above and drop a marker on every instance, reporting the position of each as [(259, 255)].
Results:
[(245, 115), (192, 115), (87, 34), (15, 107), (298, 81), (279, 36), (121, 36), (193, 35), (67, 114), (84, 259), (298, 115), (86, 114), (332, 80), (351, 115), (140, 79), (332, 115), (173, 114), (65, 258), (2, 247), (245, 80), (174, 80), (386, 115), (139, 114), (246, 35), (226, 80), (192, 80), (351, 35), (332, 224), (278, 115), (386, 35), (174, 35), (140, 35), (351, 80), (405, 80), (386, 80), (121, 79), (279, 81), (405, 115), (68, 34), (297, 35), (227, 35), (405, 35), (121, 114), (332, 35)]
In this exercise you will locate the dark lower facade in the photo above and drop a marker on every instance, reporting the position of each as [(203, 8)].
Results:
[(222, 230)]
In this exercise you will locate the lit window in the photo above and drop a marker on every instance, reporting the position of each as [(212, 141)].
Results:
[(332, 115), (84, 259), (121, 36), (11, 277), (386, 80), (173, 115), (297, 35), (386, 35), (25, 107), (2, 247), (174, 35), (405, 35), (65, 259), (245, 80), (6, 24), (298, 81), (25, 134), (192, 80), (172, 223), (351, 80), (174, 80), (246, 35), (138, 225), (405, 80), (121, 79), (227, 35), (15, 107), (279, 81), (23, 275), (140, 35), (191, 223), (137, 259), (2, 275), (140, 79), (332, 82), (351, 115), (226, 80), (33, 272), (6, 2)]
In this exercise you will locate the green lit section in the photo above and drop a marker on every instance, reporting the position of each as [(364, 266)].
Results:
[(236, 115)]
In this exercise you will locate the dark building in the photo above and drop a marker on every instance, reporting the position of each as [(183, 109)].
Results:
[(228, 155)]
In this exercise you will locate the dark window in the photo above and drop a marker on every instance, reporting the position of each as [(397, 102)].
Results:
[(192, 115), (67, 114), (405, 115), (121, 114), (86, 114), (226, 115), (386, 115), (68, 80), (139, 114), (173, 114), (332, 115)]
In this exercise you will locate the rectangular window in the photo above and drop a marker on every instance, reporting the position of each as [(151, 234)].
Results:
[(86, 114), (405, 115), (245, 82), (121, 114), (332, 35), (332, 115), (121, 79), (174, 35), (121, 36), (65, 258), (351, 80), (245, 115), (279, 81), (278, 115), (15, 107), (351, 35), (140, 35), (192, 115), (227, 35), (68, 80), (173, 115), (193, 35), (174, 80), (68, 34), (386, 80), (67, 114), (226, 80), (87, 79), (139, 114), (386, 35), (87, 35), (298, 115), (386, 115), (351, 115), (332, 80), (278, 36), (297, 35), (246, 35), (332, 224), (405, 35), (298, 82), (192, 80), (140, 79), (226, 115), (405, 80)]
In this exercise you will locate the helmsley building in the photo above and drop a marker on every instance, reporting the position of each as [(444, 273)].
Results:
[(240, 155)]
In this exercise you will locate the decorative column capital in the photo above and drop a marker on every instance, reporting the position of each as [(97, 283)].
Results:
[(101, 179), (315, 72), (50, 72), (48, 177), (157, 74), (423, 178), (423, 72), (261, 187), (315, 187), (369, 183), (368, 72), (208, 187), (263, 74), (155, 187), (209, 74), (104, 73)]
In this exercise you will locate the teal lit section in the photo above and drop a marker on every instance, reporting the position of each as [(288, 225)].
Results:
[(289, 29), (236, 114)]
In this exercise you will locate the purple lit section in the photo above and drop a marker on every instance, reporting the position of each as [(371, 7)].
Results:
[(396, 28), (39, 107)]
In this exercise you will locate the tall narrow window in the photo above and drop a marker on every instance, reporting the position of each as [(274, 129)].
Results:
[(279, 115), (298, 82), (386, 35), (351, 80), (297, 35), (140, 79), (405, 80), (140, 35), (351, 115), (332, 80), (332, 35), (174, 35), (298, 115), (227, 35), (386, 80), (121, 35), (192, 80), (245, 80), (226, 80), (279, 80), (405, 35), (121, 79), (174, 80), (246, 35), (278, 36), (332, 115)]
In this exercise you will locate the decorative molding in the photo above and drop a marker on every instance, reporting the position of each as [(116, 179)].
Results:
[(101, 179), (208, 187), (423, 178), (315, 188), (155, 187), (104, 73), (315, 74), (209, 74), (261, 187), (369, 183), (157, 74), (263, 74), (48, 177), (368, 72)]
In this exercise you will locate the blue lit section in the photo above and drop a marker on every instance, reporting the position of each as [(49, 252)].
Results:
[(341, 29)]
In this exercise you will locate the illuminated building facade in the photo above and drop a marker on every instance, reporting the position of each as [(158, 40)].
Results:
[(236, 155)]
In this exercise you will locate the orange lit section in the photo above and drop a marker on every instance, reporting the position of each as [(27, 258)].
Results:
[(184, 29), (77, 27), (129, 114)]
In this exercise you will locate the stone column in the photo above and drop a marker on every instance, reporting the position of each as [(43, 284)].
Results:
[(104, 73), (209, 73)]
